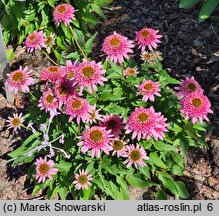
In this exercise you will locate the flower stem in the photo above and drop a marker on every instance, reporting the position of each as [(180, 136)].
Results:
[(76, 41), (49, 58)]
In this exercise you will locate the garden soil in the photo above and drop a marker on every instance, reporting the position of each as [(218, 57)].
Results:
[(189, 48)]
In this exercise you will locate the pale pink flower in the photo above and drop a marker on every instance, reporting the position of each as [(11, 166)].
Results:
[(49, 102), (15, 122), (130, 71), (65, 89), (196, 106), (148, 37), (113, 123), (187, 86), (95, 139), (147, 56), (82, 180), (51, 74), (19, 80), (119, 146), (94, 115), (117, 47), (149, 89), (64, 13), (35, 41), (89, 74), (135, 155), (44, 169), (78, 108), (145, 123)]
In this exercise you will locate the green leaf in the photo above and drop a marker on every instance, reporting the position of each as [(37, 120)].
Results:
[(184, 143), (90, 42), (10, 54), (122, 182), (187, 3), (63, 191), (98, 10), (156, 160), (168, 182), (161, 195), (145, 171), (136, 181), (207, 9), (110, 96), (63, 165), (90, 18), (161, 146), (178, 159), (89, 193), (182, 191)]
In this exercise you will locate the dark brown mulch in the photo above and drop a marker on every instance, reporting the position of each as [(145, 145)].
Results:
[(189, 48)]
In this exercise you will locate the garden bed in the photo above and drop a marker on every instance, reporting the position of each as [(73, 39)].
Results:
[(189, 48)]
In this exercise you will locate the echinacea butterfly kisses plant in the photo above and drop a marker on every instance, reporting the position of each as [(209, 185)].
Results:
[(97, 127)]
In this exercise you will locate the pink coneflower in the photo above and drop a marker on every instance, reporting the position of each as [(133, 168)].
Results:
[(145, 123), (95, 138), (69, 69), (19, 80), (89, 74), (51, 74), (130, 72), (15, 122), (148, 37), (117, 47), (65, 89), (135, 155), (78, 108), (149, 89), (94, 115), (187, 86), (82, 180), (49, 102), (44, 169), (35, 41), (118, 146), (196, 106), (113, 123), (64, 13)]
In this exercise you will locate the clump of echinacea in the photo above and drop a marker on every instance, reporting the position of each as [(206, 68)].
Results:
[(117, 47), (44, 169), (15, 122), (96, 139), (146, 123), (130, 72), (89, 74), (35, 41), (64, 13), (148, 38), (19, 80), (187, 86), (113, 123), (135, 155), (196, 106), (82, 180), (149, 89)]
